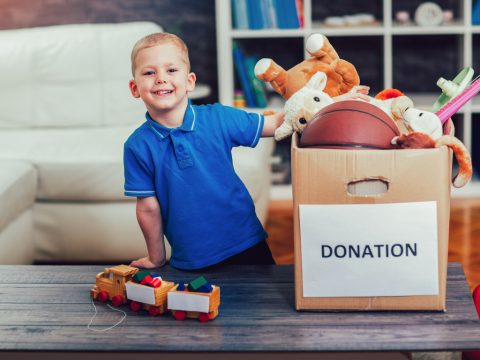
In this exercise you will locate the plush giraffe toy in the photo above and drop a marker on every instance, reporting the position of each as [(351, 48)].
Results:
[(341, 75)]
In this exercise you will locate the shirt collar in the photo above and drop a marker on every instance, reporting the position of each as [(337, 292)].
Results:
[(188, 123)]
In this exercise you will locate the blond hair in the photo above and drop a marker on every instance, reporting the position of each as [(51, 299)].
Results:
[(158, 39)]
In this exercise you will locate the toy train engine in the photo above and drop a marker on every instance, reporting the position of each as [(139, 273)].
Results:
[(110, 284)]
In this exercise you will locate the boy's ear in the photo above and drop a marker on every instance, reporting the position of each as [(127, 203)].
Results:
[(192, 78), (133, 88)]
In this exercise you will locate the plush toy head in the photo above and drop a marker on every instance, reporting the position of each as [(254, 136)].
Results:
[(303, 105), (416, 120), (341, 75), (423, 121)]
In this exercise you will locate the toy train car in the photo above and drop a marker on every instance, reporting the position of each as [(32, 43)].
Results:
[(152, 299), (202, 306), (116, 284)]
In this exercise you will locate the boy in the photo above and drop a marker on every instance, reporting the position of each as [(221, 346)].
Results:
[(179, 166)]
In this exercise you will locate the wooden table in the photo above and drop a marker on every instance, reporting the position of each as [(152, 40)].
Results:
[(47, 308)]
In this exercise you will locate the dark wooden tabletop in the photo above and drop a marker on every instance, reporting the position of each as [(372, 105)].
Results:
[(48, 308)]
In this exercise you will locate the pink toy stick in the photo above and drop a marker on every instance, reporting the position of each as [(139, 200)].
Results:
[(456, 103)]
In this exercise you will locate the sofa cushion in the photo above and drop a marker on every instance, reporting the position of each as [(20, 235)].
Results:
[(18, 181), (86, 164), (85, 67), (82, 164)]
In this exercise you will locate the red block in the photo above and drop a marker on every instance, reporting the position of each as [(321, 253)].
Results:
[(146, 280), (156, 282)]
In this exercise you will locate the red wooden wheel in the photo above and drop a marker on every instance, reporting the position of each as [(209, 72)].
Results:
[(154, 311), (204, 317), (476, 299), (179, 315), (135, 305), (102, 296), (117, 300)]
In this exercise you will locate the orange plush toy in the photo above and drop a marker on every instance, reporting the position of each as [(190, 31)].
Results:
[(341, 75)]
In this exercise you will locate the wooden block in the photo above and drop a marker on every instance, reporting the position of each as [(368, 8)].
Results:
[(197, 283), (206, 288), (139, 276)]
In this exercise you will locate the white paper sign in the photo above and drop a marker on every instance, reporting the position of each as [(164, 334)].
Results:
[(140, 293), (369, 250), (179, 300)]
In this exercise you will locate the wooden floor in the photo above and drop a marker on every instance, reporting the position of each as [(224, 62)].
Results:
[(464, 242)]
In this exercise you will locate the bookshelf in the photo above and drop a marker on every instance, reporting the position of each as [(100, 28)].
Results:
[(386, 54)]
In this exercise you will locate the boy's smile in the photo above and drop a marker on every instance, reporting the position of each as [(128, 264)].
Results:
[(163, 82)]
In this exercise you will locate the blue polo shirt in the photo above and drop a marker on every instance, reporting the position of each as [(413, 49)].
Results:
[(207, 212)]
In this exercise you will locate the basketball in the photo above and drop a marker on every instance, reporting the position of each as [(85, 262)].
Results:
[(350, 124)]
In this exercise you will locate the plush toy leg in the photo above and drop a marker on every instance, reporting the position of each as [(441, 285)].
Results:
[(318, 46), (269, 71), (284, 131), (348, 73), (463, 159), (398, 107)]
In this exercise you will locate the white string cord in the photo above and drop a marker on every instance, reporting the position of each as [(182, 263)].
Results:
[(111, 327)]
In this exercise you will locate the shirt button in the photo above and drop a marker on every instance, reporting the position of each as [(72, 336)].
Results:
[(180, 147)]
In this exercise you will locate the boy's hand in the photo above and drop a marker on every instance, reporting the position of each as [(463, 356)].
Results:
[(272, 122), (146, 263)]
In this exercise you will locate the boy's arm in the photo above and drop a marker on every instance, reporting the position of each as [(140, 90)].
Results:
[(272, 122), (150, 221)]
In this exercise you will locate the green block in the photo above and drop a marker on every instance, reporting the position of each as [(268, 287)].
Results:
[(139, 276), (197, 283)]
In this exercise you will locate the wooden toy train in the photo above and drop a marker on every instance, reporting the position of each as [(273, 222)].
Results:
[(142, 290)]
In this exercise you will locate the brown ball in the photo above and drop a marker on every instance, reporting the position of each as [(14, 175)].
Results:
[(350, 124)]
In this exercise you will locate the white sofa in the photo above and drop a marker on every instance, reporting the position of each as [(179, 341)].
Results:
[(65, 112)]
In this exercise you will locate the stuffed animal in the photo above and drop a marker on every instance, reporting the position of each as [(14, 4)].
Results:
[(341, 75), (303, 105), (425, 131), (306, 102)]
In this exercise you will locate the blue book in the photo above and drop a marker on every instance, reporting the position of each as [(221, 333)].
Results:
[(254, 14), (258, 86), (280, 19), (240, 14), (476, 13), (265, 13), (291, 15), (271, 12), (241, 69), (287, 16)]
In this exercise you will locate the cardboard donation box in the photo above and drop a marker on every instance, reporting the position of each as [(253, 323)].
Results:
[(370, 228)]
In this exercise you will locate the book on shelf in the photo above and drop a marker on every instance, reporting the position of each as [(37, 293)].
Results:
[(255, 18), (253, 89), (301, 16), (258, 86), (287, 14), (267, 14), (241, 70), (239, 14), (476, 13)]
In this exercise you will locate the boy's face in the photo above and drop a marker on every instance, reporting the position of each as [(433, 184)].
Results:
[(161, 79)]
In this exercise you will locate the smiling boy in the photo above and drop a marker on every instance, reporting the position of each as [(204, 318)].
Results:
[(179, 166)]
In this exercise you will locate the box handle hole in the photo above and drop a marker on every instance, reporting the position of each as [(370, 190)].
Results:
[(367, 187)]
